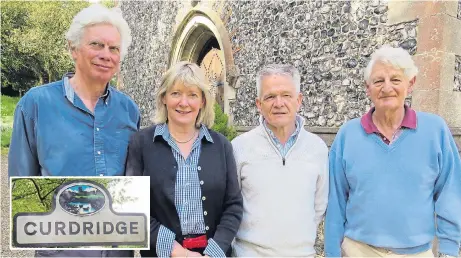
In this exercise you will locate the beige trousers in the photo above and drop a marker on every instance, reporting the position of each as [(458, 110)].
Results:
[(352, 248)]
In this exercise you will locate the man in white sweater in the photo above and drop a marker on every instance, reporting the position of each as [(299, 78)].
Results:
[(283, 172)]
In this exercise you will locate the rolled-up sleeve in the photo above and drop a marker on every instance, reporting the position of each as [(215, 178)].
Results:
[(213, 249), (22, 155), (165, 240)]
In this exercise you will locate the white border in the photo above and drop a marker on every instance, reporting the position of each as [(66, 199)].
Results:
[(81, 248)]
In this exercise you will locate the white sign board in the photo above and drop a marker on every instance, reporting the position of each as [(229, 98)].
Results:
[(82, 215)]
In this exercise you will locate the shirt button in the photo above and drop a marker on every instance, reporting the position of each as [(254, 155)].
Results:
[(203, 198), (199, 168), (205, 213), (201, 182), (207, 228), (99, 153), (97, 129)]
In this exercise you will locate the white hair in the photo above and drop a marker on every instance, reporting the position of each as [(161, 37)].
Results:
[(98, 14), (279, 69), (397, 57)]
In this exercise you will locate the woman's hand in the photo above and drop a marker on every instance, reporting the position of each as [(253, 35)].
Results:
[(194, 254), (178, 250)]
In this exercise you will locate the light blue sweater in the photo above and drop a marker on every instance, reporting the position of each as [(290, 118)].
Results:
[(386, 195)]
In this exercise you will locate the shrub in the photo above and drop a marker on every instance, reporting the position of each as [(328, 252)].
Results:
[(221, 124)]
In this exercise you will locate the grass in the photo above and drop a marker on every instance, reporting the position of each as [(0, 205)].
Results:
[(8, 104)]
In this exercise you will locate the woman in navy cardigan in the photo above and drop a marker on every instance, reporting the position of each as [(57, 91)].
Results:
[(196, 204)]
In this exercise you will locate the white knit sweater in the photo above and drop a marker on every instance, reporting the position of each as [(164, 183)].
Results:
[(282, 204)]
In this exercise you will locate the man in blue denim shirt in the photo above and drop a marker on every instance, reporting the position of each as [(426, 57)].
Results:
[(80, 125)]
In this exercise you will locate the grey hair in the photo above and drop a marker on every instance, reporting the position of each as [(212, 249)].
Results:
[(188, 74), (278, 69), (97, 14), (397, 57)]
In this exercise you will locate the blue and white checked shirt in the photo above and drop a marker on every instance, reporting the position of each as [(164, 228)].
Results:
[(187, 196), (284, 148)]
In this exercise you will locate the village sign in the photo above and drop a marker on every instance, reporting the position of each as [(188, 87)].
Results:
[(81, 215)]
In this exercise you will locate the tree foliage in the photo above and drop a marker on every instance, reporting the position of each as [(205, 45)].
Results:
[(36, 194), (34, 49)]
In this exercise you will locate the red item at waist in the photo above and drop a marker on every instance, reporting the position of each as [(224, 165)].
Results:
[(196, 242)]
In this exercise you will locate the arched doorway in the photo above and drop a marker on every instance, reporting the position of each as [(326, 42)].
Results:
[(202, 38)]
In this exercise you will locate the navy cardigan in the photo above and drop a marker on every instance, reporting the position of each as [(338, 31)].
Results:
[(223, 203)]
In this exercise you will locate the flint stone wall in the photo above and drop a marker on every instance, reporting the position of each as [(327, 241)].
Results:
[(151, 24), (329, 41)]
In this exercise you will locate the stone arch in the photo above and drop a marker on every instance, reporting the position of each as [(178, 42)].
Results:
[(200, 32)]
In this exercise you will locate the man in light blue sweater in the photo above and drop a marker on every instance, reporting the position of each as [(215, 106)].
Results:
[(391, 170)]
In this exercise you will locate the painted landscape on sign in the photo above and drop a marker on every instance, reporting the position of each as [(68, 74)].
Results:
[(82, 199)]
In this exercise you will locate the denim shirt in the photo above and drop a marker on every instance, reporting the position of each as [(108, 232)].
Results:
[(54, 134)]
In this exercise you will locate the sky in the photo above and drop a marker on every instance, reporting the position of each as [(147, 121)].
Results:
[(139, 188)]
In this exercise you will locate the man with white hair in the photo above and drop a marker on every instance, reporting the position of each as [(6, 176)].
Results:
[(80, 125), (391, 170), (282, 171)]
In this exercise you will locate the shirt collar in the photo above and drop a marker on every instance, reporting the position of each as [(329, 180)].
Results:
[(162, 130), (299, 122), (69, 92), (409, 120)]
